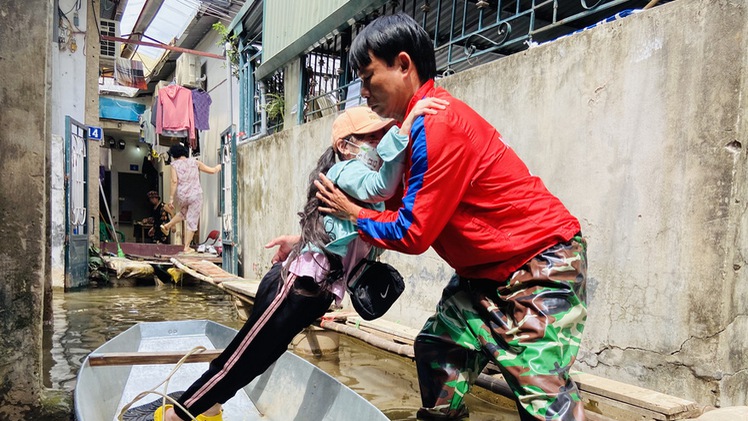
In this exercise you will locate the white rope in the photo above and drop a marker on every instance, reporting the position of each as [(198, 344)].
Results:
[(164, 395)]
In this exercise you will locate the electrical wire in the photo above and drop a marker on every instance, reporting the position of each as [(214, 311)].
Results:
[(76, 7), (96, 19)]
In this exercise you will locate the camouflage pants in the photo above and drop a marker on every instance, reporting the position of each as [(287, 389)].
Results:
[(530, 326)]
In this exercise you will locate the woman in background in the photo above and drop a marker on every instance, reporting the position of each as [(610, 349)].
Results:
[(186, 189), (160, 214)]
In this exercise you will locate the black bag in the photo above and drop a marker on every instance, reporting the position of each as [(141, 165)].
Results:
[(374, 286)]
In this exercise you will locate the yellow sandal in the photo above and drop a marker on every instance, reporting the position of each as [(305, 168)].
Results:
[(159, 415)]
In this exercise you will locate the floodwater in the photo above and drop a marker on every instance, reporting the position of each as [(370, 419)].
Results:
[(84, 320)]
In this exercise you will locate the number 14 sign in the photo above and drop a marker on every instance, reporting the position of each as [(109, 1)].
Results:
[(95, 133)]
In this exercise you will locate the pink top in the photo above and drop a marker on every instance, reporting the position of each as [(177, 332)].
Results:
[(175, 111), (188, 180), (315, 265)]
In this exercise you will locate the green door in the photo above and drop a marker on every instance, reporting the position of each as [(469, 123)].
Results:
[(76, 204)]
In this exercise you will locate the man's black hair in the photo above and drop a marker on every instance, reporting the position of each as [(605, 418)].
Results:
[(387, 36)]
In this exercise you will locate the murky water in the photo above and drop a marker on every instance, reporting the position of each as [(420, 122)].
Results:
[(86, 319)]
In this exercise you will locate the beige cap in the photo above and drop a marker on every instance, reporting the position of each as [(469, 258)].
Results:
[(358, 120)]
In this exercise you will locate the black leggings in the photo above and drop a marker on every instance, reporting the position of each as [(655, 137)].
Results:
[(280, 312)]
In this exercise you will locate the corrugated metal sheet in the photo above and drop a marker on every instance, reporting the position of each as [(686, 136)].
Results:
[(285, 21)]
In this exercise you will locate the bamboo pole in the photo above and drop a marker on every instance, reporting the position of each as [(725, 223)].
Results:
[(163, 46)]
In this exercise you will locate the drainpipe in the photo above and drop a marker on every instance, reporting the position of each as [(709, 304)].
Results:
[(230, 84)]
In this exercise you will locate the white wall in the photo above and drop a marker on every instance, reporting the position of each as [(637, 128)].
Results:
[(67, 98), (210, 140)]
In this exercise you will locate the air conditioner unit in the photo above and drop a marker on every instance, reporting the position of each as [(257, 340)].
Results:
[(188, 71), (110, 50)]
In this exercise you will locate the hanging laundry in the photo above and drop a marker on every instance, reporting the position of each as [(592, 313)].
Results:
[(175, 133), (195, 144), (175, 110), (201, 102), (129, 73), (147, 131), (154, 110)]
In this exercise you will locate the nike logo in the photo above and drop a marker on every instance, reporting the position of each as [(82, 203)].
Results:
[(384, 294)]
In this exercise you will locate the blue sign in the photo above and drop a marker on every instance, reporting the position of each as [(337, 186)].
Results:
[(95, 133), (133, 167)]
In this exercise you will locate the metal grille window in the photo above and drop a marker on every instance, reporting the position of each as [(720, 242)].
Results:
[(275, 102), (323, 74), (465, 33), (249, 91)]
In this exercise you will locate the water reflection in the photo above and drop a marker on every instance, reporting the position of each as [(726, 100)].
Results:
[(84, 320)]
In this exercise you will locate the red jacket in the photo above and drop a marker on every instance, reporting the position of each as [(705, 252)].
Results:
[(469, 196)]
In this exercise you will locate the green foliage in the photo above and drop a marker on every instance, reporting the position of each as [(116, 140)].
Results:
[(233, 51), (275, 107)]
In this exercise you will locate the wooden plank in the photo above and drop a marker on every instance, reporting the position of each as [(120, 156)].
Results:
[(611, 409), (634, 395), (186, 269), (339, 315), (245, 287), (204, 270), (391, 328), (148, 358)]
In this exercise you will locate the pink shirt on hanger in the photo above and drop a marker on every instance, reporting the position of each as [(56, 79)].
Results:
[(175, 111)]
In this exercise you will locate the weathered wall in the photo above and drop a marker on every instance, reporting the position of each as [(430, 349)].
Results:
[(24, 75), (210, 140), (638, 127), (68, 97)]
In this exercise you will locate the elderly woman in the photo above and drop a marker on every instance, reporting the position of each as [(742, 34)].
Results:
[(186, 189), (160, 214)]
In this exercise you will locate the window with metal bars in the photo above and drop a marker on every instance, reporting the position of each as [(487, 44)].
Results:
[(465, 33)]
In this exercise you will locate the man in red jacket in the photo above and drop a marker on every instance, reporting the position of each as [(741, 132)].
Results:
[(518, 295)]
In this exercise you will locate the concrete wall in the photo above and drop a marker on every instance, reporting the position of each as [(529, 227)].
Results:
[(25, 33), (68, 96), (220, 119), (638, 127)]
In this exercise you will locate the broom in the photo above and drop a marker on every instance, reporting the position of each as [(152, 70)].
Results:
[(106, 205)]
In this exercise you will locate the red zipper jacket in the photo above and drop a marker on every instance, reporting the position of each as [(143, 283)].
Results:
[(469, 196)]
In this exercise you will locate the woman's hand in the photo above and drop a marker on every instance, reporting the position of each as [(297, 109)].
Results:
[(422, 107), (285, 243), (338, 203)]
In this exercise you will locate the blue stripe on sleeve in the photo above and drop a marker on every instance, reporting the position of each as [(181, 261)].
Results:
[(396, 230)]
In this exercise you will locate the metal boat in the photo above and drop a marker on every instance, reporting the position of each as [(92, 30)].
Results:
[(291, 389)]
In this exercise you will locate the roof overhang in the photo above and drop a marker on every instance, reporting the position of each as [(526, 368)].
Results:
[(339, 19)]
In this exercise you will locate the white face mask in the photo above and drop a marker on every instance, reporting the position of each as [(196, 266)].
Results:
[(368, 155)]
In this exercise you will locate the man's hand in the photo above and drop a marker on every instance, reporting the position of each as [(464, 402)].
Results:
[(286, 243), (338, 203)]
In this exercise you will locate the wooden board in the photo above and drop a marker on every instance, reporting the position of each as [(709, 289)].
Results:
[(145, 358), (245, 287), (403, 333), (650, 400), (209, 270)]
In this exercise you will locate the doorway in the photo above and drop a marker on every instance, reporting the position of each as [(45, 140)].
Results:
[(133, 203)]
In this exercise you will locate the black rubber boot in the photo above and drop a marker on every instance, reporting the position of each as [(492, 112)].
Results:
[(433, 414)]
